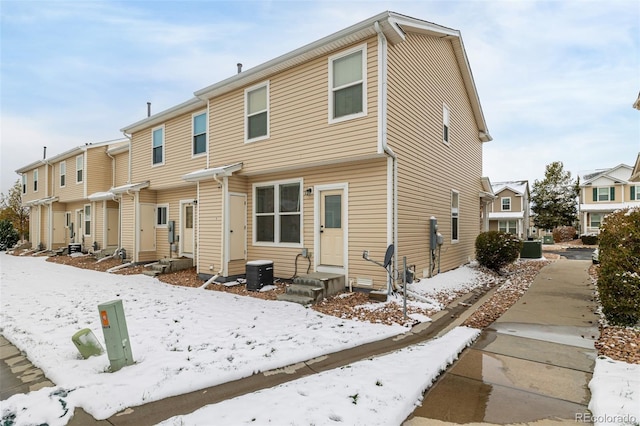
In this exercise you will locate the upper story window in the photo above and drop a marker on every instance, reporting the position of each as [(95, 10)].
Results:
[(347, 84), (63, 174), (445, 124), (607, 193), (634, 193), (157, 146), (256, 100), (506, 203), (455, 214), (278, 213), (80, 168), (35, 180), (24, 183), (199, 133)]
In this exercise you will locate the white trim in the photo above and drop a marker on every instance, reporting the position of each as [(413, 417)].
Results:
[(60, 174), (36, 180), (502, 204), (206, 134), (331, 89), (164, 138), (227, 224), (162, 206), (446, 121), (84, 220), (181, 252), (276, 223), (25, 183), (83, 169), (317, 190), (267, 85), (454, 210)]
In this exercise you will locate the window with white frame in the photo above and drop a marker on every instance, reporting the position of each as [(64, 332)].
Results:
[(162, 215), (67, 219), (63, 174), (80, 168), (445, 124), (607, 193), (278, 212), (35, 180), (634, 193), (455, 214), (347, 84), (24, 183), (157, 146), (256, 101), (199, 133), (506, 203), (595, 220), (87, 219), (509, 226)]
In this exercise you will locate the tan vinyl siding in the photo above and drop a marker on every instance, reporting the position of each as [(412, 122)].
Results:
[(422, 77), (121, 169), (298, 122), (32, 195), (172, 198), (127, 225), (177, 158), (99, 170), (516, 201), (71, 191), (210, 227)]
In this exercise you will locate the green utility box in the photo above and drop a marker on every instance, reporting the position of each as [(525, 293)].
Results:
[(87, 343), (116, 335), (531, 250), (548, 239)]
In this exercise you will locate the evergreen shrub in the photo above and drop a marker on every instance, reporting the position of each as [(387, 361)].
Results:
[(619, 276), (589, 239), (495, 249), (564, 233)]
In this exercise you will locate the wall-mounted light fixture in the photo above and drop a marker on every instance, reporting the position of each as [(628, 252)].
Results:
[(308, 191)]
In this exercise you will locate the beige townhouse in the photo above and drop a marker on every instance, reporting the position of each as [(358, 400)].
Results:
[(605, 191), (62, 190), (510, 211), (352, 143)]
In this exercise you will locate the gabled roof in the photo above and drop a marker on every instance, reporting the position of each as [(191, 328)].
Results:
[(190, 105), (587, 178), (393, 25), (520, 187)]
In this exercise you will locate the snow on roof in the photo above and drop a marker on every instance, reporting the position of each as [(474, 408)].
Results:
[(505, 215), (607, 207), (519, 186)]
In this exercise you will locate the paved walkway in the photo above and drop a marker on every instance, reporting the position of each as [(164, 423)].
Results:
[(532, 365), (17, 375)]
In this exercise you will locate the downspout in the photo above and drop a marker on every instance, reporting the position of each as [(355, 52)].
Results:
[(222, 240), (113, 167), (382, 135), (208, 132)]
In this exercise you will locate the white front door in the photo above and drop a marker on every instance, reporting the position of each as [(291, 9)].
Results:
[(78, 231), (237, 226), (58, 228), (187, 229), (147, 228), (331, 228)]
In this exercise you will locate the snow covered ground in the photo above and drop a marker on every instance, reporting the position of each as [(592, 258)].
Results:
[(184, 339)]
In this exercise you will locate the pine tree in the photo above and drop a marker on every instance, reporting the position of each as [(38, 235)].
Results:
[(554, 198)]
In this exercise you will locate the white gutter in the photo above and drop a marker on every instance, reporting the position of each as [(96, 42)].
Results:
[(392, 204)]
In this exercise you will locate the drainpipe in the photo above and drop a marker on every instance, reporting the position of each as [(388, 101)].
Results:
[(382, 135)]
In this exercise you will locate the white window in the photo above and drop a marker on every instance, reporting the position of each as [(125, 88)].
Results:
[(24, 183), (455, 214), (67, 219), (445, 124), (607, 193), (157, 146), (80, 168), (347, 84), (595, 220), (509, 226), (506, 203), (63, 174), (162, 215), (87, 219), (635, 193), (35, 180), (256, 100), (199, 130), (278, 213)]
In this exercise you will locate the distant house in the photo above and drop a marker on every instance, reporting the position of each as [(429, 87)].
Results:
[(510, 212), (347, 144), (605, 191), (67, 198)]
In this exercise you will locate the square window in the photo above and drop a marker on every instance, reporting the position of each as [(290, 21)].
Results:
[(278, 213)]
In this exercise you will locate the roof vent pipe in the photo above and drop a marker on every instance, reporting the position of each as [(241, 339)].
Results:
[(148, 109), (239, 67), (44, 153)]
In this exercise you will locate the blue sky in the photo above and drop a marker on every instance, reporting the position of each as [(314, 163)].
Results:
[(556, 79)]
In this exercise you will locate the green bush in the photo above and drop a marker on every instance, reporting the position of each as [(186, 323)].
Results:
[(589, 239), (496, 249), (619, 277), (564, 233), (8, 234)]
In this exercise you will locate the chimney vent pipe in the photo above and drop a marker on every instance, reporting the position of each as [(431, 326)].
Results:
[(239, 67), (148, 109)]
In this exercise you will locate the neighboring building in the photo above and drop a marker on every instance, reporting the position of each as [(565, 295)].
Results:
[(605, 191), (59, 191), (510, 212), (350, 143)]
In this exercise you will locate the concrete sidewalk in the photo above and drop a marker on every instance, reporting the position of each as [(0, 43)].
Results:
[(531, 365)]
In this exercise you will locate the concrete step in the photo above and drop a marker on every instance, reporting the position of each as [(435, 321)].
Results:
[(151, 273), (296, 298), (330, 283), (176, 264), (314, 292)]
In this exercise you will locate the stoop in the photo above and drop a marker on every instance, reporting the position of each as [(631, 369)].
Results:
[(166, 265), (312, 288)]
